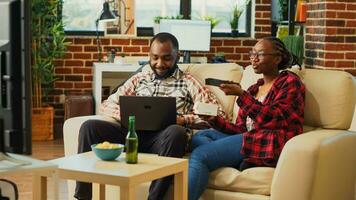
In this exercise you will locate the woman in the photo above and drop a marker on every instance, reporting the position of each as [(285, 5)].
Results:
[(271, 112)]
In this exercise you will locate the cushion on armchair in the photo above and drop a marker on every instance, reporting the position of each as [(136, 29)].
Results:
[(253, 180), (328, 99)]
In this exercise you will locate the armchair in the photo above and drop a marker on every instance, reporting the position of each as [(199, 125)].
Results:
[(316, 165)]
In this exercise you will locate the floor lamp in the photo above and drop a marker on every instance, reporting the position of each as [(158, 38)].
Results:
[(106, 16)]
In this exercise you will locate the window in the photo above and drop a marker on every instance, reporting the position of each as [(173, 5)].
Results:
[(221, 10), (146, 10), (80, 15)]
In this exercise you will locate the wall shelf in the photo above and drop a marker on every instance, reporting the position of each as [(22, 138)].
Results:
[(291, 17)]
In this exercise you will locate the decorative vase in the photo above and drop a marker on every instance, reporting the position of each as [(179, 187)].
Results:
[(234, 33)]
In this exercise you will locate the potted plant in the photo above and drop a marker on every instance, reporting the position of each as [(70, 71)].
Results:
[(234, 20), (219, 58), (295, 44), (214, 21), (120, 59), (48, 43)]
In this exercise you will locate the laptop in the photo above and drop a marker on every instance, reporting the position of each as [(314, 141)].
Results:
[(151, 113)]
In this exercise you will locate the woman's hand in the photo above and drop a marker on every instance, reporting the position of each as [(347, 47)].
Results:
[(210, 119), (231, 89)]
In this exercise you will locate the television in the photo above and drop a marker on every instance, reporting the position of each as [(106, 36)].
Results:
[(15, 74), (192, 35)]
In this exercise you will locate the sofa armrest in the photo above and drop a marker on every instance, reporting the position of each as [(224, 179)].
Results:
[(70, 136), (71, 131), (317, 165)]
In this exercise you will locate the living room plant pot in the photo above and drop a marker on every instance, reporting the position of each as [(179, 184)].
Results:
[(235, 16), (234, 33), (42, 123)]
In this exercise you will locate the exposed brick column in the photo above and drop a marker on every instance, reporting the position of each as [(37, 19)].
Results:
[(262, 18), (331, 35)]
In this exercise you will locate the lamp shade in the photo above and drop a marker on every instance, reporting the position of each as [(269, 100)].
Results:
[(107, 14)]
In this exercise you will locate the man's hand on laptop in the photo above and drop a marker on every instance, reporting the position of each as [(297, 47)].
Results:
[(180, 120)]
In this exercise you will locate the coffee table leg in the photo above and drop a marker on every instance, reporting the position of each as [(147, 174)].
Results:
[(39, 187), (127, 192), (180, 185), (101, 192)]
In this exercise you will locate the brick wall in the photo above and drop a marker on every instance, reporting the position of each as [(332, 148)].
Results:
[(74, 71), (331, 35), (330, 42)]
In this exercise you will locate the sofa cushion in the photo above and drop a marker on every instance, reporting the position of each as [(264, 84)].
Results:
[(250, 77), (253, 180), (225, 71)]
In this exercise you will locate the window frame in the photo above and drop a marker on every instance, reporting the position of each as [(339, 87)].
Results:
[(83, 33), (185, 10)]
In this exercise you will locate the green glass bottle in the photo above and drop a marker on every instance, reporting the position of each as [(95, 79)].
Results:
[(131, 142)]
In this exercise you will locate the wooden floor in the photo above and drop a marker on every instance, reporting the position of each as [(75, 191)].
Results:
[(43, 150)]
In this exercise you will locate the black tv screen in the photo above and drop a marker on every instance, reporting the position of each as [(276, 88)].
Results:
[(15, 75)]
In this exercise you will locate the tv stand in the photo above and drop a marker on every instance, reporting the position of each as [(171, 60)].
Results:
[(32, 165), (38, 168), (14, 162)]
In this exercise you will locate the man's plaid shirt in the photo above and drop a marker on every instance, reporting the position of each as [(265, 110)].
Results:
[(276, 120), (180, 85)]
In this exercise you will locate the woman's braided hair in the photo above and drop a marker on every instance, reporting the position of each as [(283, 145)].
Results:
[(288, 59)]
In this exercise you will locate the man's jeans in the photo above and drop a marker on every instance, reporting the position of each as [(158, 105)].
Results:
[(211, 150)]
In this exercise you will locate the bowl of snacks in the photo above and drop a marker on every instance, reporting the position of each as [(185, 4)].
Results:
[(107, 150)]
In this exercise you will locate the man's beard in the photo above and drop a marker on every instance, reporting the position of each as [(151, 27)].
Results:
[(168, 73)]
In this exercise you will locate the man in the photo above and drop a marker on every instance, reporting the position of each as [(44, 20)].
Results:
[(165, 79)]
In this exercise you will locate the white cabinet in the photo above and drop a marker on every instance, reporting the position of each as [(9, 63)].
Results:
[(111, 75)]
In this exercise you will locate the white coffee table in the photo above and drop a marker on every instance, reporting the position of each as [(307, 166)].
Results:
[(87, 167)]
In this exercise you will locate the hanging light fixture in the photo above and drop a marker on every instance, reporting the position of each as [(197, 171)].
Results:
[(106, 16)]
